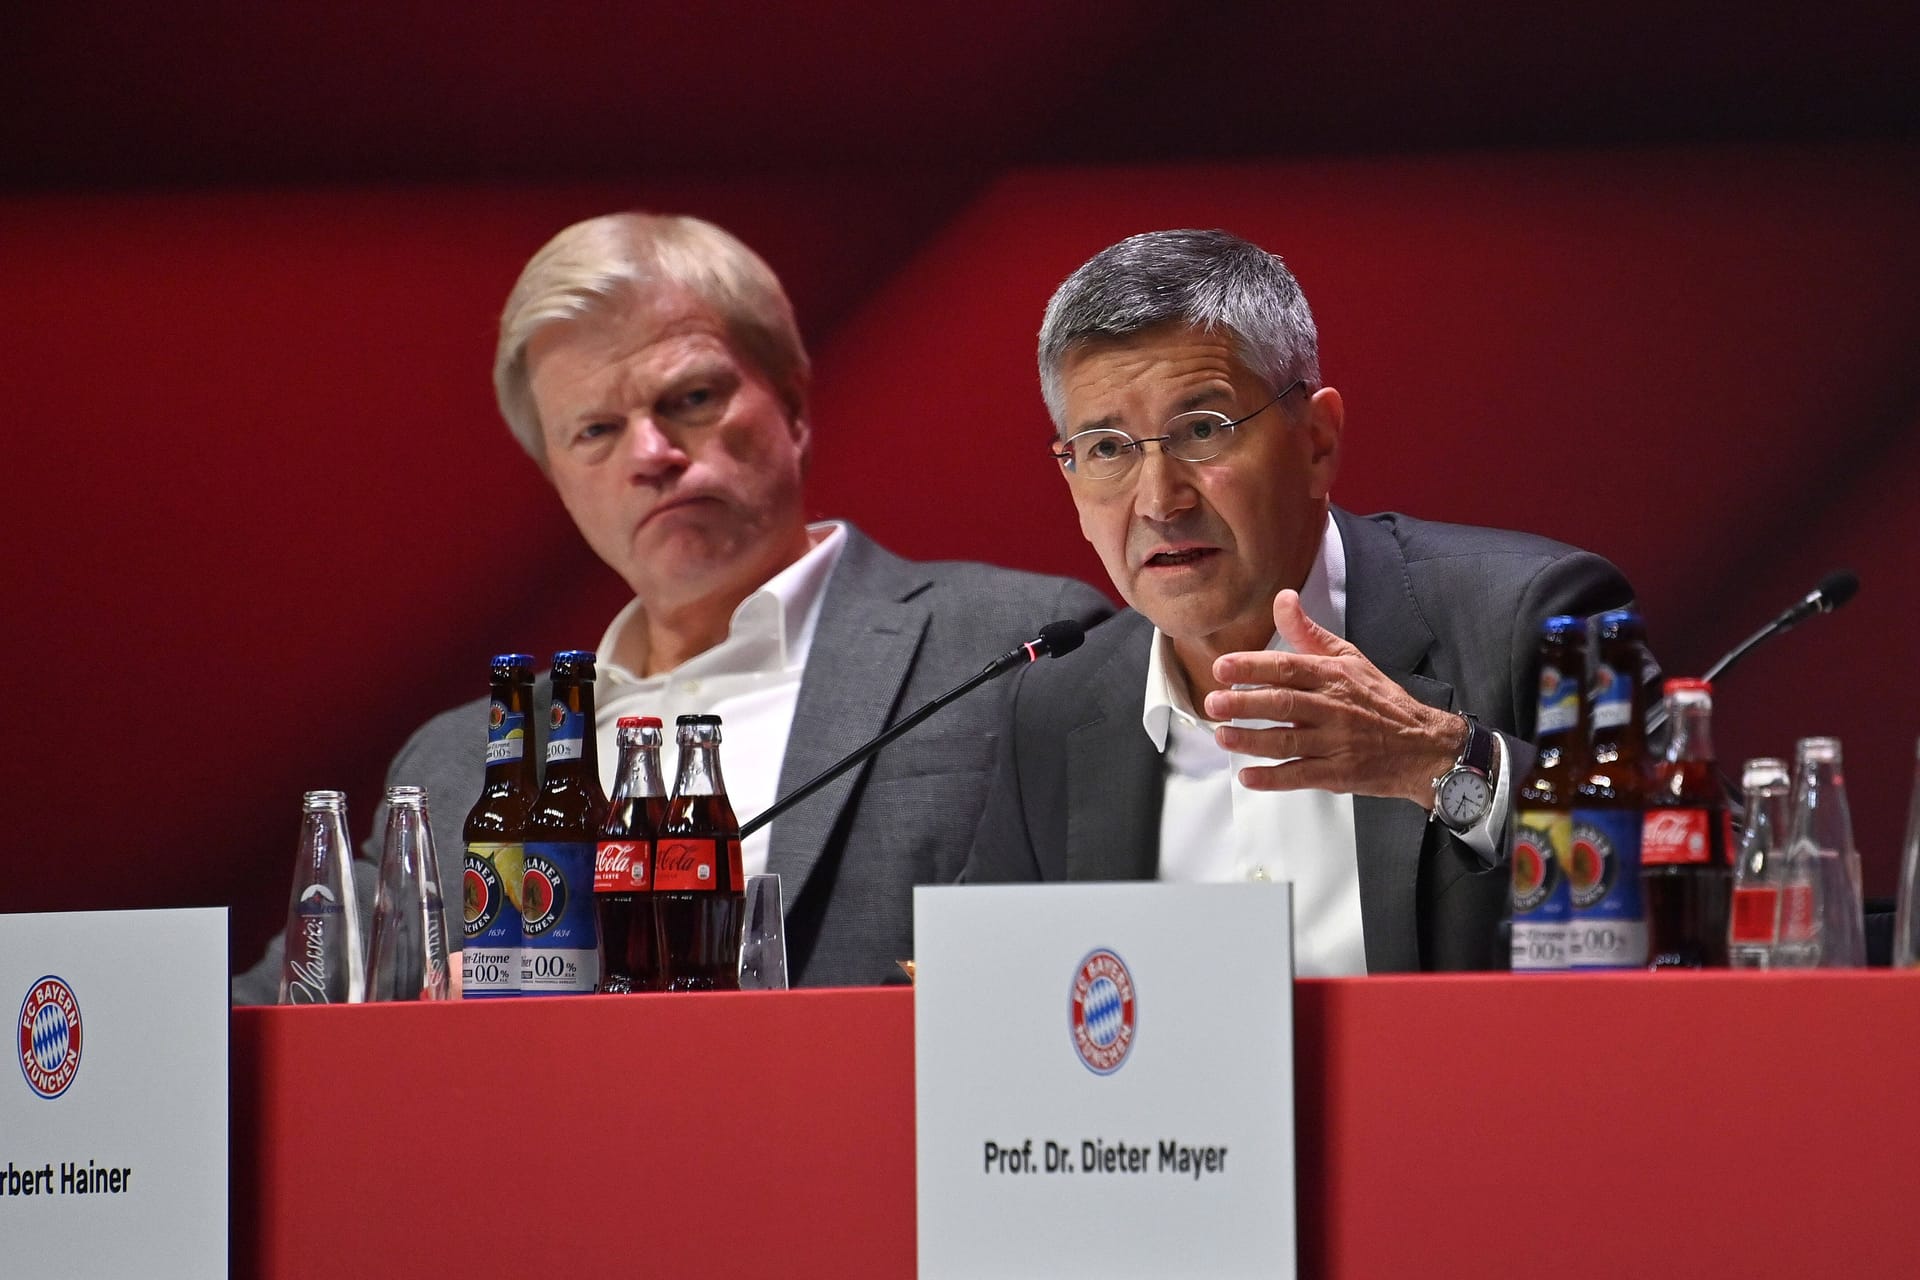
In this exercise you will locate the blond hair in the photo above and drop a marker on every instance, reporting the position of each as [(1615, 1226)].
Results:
[(593, 266)]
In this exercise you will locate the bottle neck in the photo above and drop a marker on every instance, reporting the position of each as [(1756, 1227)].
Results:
[(1691, 724), (638, 776), (1769, 810), (1618, 707), (1820, 813), (1557, 727), (699, 771)]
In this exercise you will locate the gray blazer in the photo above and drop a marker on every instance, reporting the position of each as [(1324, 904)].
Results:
[(1451, 613), (892, 635)]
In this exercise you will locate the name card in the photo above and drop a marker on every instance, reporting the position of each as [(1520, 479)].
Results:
[(1104, 1080), (113, 1112)]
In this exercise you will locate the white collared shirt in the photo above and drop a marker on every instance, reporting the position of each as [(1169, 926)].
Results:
[(1215, 830), (751, 680)]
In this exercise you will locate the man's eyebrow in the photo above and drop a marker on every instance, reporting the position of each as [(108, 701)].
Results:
[(1202, 398), (1109, 423)]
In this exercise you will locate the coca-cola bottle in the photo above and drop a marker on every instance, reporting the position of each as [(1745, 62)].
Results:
[(559, 942), (495, 834), (1543, 807), (1686, 843), (1609, 928), (623, 865), (699, 891)]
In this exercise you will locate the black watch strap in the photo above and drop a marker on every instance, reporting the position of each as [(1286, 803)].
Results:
[(1477, 753)]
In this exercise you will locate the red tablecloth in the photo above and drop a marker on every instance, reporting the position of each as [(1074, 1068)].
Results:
[(1712, 1124)]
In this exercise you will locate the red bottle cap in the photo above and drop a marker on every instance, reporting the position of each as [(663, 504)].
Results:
[(637, 722)]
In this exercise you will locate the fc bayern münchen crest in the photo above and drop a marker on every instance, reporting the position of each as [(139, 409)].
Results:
[(49, 1036), (1101, 1012)]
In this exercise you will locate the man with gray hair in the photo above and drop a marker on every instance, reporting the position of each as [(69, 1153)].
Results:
[(1297, 693), (652, 368)]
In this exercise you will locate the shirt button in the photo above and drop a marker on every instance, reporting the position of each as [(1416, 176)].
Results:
[(690, 687), (1259, 875)]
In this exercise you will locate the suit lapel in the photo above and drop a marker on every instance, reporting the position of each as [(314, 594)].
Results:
[(1384, 624), (862, 652), (1114, 777)]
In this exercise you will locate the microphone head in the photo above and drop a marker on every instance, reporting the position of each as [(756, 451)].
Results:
[(1837, 588), (1062, 637)]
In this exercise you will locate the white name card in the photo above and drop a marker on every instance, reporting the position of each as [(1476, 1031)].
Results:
[(1104, 1080), (113, 1104)]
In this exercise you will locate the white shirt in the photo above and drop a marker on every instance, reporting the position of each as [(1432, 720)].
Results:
[(1215, 830), (751, 680)]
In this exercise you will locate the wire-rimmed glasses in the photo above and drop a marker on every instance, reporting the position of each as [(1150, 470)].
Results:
[(1200, 435)]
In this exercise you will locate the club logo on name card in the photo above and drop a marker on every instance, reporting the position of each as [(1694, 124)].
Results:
[(1102, 1012), (49, 1036)]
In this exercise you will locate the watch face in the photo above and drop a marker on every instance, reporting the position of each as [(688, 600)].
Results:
[(1464, 797)]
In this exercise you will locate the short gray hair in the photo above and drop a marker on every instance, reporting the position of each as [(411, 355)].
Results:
[(1208, 279), (592, 267)]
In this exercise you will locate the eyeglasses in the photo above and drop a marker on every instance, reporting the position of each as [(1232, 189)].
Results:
[(1198, 436)]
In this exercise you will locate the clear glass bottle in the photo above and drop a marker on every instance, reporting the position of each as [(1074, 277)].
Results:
[(1906, 920), (1759, 866), (324, 963), (1823, 838), (408, 957)]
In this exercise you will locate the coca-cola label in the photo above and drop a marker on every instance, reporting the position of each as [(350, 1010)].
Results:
[(620, 866), (1612, 704), (687, 864), (1677, 837), (559, 951), (506, 734), (1756, 915), (491, 885), (1559, 701), (1609, 929)]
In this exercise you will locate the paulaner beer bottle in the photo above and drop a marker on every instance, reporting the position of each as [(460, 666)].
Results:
[(495, 835), (699, 891), (323, 962), (559, 938), (1686, 843), (1609, 928), (1543, 808), (623, 866)]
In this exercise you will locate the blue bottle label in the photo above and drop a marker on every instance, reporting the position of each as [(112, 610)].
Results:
[(506, 734), (1559, 701), (560, 947), (490, 921), (566, 734), (1609, 929), (1612, 703)]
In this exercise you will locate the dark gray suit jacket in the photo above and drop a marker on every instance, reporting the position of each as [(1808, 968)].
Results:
[(1451, 613), (892, 635)]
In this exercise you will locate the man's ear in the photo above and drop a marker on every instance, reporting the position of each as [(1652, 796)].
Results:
[(1326, 418)]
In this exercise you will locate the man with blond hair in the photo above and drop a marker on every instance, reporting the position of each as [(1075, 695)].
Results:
[(651, 366)]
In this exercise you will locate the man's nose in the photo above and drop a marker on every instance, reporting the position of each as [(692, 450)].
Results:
[(1162, 488), (652, 453)]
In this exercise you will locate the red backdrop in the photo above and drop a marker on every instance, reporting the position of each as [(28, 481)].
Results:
[(268, 519)]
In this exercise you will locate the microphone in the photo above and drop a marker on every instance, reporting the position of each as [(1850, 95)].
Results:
[(1056, 639), (1834, 590)]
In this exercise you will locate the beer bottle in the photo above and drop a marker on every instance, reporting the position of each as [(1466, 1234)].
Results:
[(623, 865), (1686, 842), (699, 892), (1609, 929), (1759, 867), (495, 836), (559, 943), (1543, 808)]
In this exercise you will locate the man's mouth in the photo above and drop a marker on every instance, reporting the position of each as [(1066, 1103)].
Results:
[(1174, 559), (673, 504)]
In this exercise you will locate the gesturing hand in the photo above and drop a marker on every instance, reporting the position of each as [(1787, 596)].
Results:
[(1347, 726)]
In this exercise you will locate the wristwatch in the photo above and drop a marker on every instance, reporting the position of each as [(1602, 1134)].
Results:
[(1463, 795)]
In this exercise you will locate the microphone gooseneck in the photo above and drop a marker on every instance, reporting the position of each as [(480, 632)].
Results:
[(1834, 590), (1054, 640)]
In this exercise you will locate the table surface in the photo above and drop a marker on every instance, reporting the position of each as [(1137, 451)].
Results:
[(1631, 1124)]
